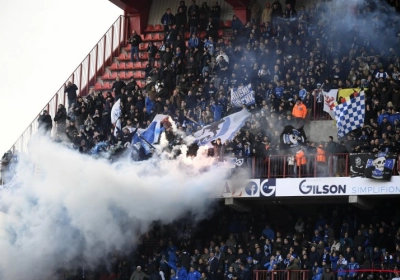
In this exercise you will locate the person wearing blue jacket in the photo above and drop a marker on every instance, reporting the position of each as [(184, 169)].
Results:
[(318, 274), (193, 274), (149, 104), (217, 110), (342, 267), (270, 265), (353, 268), (181, 273)]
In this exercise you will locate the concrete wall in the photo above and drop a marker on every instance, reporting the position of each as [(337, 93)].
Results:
[(321, 130)]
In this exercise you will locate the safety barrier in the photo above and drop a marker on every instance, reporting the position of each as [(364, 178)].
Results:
[(84, 76)]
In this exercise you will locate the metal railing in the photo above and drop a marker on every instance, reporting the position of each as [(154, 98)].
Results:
[(84, 76), (284, 166), (281, 275), (307, 274)]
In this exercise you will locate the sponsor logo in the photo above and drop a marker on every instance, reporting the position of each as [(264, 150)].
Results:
[(268, 187), (251, 188), (321, 189)]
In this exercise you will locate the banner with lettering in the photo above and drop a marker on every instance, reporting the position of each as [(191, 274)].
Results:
[(242, 96)]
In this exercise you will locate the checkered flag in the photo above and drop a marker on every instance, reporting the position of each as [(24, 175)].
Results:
[(350, 114)]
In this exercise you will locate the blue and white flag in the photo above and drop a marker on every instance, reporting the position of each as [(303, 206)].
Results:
[(115, 116), (224, 129), (242, 95), (116, 111), (147, 137), (350, 114)]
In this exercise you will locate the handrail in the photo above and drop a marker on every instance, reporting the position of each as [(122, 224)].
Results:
[(84, 75)]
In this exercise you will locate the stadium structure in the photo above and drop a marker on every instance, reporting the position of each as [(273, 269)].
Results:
[(290, 178)]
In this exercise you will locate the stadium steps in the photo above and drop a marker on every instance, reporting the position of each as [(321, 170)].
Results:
[(121, 65), (157, 11)]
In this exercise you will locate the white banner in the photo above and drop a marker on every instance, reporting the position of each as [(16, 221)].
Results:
[(335, 186), (224, 128), (302, 187), (329, 102), (242, 95)]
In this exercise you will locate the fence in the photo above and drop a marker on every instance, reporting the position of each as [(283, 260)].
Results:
[(283, 166), (84, 76), (307, 274)]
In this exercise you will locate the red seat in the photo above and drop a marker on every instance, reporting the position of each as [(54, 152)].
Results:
[(129, 74), (187, 35), (227, 23), (203, 34), (113, 75), (158, 27), (98, 86), (143, 64), (138, 75), (158, 56), (114, 66), (143, 46), (128, 48), (161, 36), (144, 55), (149, 37), (121, 56), (121, 66), (137, 65), (149, 28), (129, 65), (106, 76), (220, 33), (122, 75), (106, 85)]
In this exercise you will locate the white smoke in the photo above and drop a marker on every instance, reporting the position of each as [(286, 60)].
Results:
[(69, 205)]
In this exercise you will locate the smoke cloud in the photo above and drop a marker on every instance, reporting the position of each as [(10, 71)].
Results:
[(69, 206)]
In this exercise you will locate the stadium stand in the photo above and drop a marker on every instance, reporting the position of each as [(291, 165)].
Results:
[(299, 52)]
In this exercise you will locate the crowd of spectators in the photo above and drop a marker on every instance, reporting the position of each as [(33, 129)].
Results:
[(338, 243), (288, 54)]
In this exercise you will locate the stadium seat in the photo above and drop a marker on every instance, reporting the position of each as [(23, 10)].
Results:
[(122, 75), (149, 37), (106, 76), (143, 46), (159, 37), (158, 56), (158, 27), (143, 64), (227, 23), (106, 85), (129, 65), (128, 48), (139, 75), (129, 75), (203, 34), (123, 57), (98, 86), (121, 66), (187, 35), (113, 75), (114, 66), (220, 33), (149, 28), (144, 55), (137, 65)]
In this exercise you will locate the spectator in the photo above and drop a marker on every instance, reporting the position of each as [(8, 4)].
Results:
[(45, 122), (71, 89), (135, 40)]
